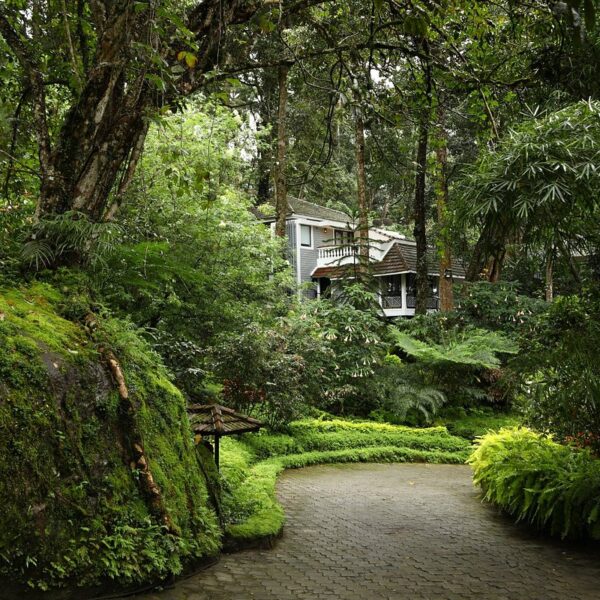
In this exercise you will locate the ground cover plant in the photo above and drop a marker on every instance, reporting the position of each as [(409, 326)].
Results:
[(90, 520), (250, 465), (476, 422), (553, 487)]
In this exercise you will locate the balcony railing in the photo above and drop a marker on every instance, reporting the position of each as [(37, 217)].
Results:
[(432, 302), (391, 301), (336, 252)]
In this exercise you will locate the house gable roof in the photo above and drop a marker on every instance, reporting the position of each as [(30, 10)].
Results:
[(304, 208)]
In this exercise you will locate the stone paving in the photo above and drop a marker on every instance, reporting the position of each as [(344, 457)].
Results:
[(375, 532)]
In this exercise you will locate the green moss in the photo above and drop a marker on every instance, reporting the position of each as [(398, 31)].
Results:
[(73, 513)]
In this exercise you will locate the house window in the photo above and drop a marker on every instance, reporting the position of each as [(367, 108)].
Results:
[(343, 237), (306, 236)]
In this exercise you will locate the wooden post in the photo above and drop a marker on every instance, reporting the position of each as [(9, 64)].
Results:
[(217, 451)]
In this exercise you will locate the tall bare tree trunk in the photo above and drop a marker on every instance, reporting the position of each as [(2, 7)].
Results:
[(361, 181), (267, 110), (420, 207), (495, 265), (445, 285), (420, 216), (281, 204)]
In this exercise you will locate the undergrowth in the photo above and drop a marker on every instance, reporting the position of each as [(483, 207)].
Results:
[(73, 513), (553, 487)]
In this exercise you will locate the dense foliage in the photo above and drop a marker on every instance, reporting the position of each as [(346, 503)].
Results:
[(560, 375), (137, 140), (551, 486)]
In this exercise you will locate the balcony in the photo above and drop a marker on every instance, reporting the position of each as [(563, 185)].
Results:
[(333, 256), (391, 302), (432, 302)]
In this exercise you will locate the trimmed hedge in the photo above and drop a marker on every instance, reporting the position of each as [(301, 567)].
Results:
[(266, 446), (555, 488)]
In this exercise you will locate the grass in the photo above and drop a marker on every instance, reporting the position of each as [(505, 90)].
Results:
[(250, 465)]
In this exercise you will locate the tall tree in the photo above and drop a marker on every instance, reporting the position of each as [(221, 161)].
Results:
[(281, 202), (444, 246), (420, 202)]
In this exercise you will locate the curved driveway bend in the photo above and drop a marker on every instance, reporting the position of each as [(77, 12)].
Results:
[(409, 531)]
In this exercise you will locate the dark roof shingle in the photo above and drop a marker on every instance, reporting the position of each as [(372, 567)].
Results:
[(296, 206), (214, 419)]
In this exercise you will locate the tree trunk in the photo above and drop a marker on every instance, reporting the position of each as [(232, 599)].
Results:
[(445, 285), (495, 265), (281, 203), (420, 216), (266, 126), (420, 207), (115, 96), (549, 287), (478, 256), (361, 181)]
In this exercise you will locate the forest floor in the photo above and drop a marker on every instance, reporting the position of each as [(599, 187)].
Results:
[(395, 531)]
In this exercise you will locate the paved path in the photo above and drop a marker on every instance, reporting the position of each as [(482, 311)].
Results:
[(371, 532)]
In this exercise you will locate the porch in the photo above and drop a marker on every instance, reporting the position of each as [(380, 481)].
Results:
[(397, 294)]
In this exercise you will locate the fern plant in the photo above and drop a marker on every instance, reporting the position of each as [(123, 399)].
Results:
[(72, 234), (553, 487), (457, 366)]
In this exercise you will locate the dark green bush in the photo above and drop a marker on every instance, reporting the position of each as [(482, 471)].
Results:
[(560, 372), (556, 488)]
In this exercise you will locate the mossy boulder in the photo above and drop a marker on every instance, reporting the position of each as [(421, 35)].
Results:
[(73, 511)]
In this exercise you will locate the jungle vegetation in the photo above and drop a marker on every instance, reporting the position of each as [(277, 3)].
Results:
[(137, 139)]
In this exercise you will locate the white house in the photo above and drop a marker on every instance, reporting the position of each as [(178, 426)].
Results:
[(322, 250)]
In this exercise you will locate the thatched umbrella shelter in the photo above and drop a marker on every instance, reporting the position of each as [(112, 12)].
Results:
[(217, 421)]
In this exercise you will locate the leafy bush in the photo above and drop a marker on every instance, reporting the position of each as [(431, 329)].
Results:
[(551, 486), (560, 373), (345, 351), (477, 421), (464, 366), (496, 305), (400, 395), (261, 373)]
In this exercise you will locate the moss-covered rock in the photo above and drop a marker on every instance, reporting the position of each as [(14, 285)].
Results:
[(73, 512)]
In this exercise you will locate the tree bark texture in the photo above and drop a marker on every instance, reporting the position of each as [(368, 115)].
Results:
[(549, 284), (420, 199), (445, 248), (420, 217), (361, 186), (266, 125), (281, 203), (114, 95)]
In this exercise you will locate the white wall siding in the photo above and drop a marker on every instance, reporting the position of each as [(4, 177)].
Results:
[(308, 256)]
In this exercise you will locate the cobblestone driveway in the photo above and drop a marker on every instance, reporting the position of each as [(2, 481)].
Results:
[(395, 531)]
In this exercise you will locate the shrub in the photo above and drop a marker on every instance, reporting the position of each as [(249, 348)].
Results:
[(477, 422), (553, 487), (560, 373), (464, 365), (496, 305)]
